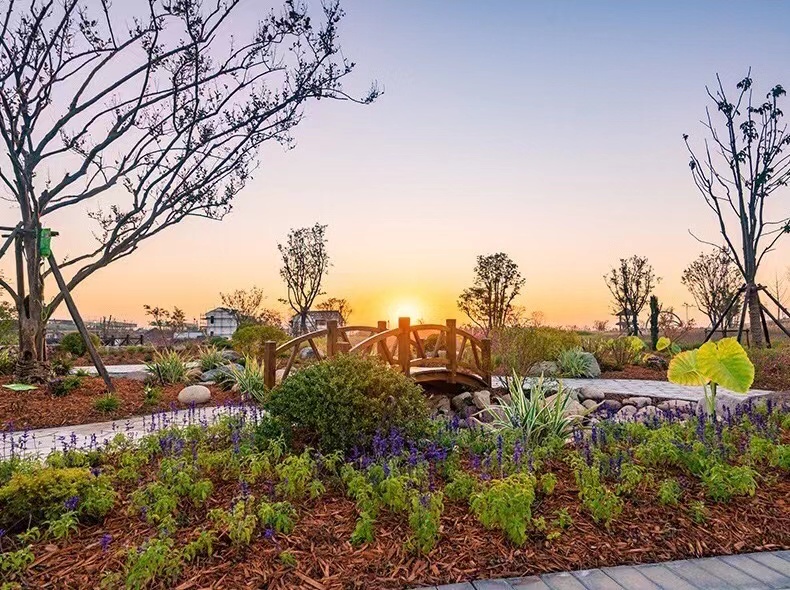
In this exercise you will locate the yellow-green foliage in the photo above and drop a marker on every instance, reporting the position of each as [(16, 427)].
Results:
[(248, 340), (40, 495), (507, 504), (519, 348)]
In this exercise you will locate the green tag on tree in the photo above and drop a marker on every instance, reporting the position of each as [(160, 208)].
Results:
[(45, 242)]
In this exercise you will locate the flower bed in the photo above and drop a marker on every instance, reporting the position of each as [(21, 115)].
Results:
[(230, 505)]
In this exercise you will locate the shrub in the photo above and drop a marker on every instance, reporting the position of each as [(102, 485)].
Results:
[(669, 492), (520, 348), (168, 367), (220, 342), (342, 402), (507, 504), (210, 357), (623, 351), (574, 362), (74, 344), (65, 385), (61, 365), (43, 494), (7, 362), (107, 403), (723, 481), (249, 340)]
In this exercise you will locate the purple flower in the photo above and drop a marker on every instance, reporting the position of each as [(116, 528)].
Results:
[(72, 503), (105, 541), (517, 452), (2, 533)]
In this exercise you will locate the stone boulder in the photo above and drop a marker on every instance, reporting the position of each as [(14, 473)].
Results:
[(220, 373), (461, 401), (590, 404), (638, 402), (595, 368), (545, 368), (194, 394), (656, 362), (677, 406), (733, 404), (481, 399), (439, 404), (231, 356), (590, 393), (626, 414), (646, 414), (610, 405), (307, 354)]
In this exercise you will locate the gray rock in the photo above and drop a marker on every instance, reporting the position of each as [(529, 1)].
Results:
[(732, 404), (646, 414), (595, 368), (220, 373), (574, 408), (481, 399), (439, 404), (307, 354), (545, 368), (503, 399), (138, 375), (610, 405), (590, 404), (656, 362), (626, 414), (231, 355), (678, 406), (593, 394), (461, 401), (638, 402), (194, 394)]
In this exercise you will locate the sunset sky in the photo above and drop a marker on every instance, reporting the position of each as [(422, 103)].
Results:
[(548, 130)]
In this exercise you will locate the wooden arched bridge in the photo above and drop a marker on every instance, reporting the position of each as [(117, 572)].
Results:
[(430, 353)]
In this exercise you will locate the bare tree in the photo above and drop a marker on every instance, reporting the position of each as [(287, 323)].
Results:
[(714, 281), (489, 301), (247, 307), (161, 119), (339, 305), (631, 284), (741, 167), (305, 261)]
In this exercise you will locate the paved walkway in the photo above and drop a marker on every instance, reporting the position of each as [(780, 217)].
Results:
[(43, 441), (752, 571)]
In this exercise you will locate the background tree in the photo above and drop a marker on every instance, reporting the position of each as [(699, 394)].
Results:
[(780, 292), (743, 166), (160, 317), (713, 280), (150, 106), (489, 301), (305, 261), (178, 321), (247, 307), (339, 305), (631, 284)]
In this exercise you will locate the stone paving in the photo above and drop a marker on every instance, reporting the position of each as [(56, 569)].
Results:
[(43, 441), (752, 571)]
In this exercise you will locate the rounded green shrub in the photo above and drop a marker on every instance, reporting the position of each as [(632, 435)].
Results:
[(248, 340), (340, 403), (74, 344)]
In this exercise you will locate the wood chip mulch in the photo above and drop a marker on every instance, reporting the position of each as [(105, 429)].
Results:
[(645, 532), (38, 409)]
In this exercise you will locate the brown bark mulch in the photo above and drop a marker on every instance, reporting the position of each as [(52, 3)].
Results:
[(645, 532), (38, 409), (636, 372)]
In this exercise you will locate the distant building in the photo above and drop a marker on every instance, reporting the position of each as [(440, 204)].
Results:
[(316, 320), (219, 321)]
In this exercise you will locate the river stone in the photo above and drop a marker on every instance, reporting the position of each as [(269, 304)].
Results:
[(220, 373), (194, 394), (481, 399), (610, 405), (626, 414), (461, 401), (231, 355), (590, 404), (595, 368), (656, 362), (646, 414), (439, 404), (590, 393), (638, 402), (574, 408), (677, 406), (504, 399), (307, 353), (545, 368)]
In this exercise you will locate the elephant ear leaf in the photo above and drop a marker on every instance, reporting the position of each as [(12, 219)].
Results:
[(727, 364), (683, 369), (663, 343)]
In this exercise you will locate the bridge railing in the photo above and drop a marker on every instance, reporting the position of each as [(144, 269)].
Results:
[(405, 347)]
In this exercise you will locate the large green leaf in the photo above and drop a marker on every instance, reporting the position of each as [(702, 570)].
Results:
[(683, 369), (663, 343), (725, 362)]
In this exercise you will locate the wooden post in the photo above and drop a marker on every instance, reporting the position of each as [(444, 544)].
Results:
[(485, 352), (404, 345), (450, 349), (331, 338), (270, 364), (343, 347), (20, 277), (75, 315), (382, 346)]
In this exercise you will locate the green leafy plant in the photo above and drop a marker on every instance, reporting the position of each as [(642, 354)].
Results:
[(548, 481), (202, 546), (574, 362), (250, 379), (519, 348), (534, 415), (603, 504), (625, 350), (278, 516), (287, 558), (714, 364), (669, 492), (507, 505), (563, 519), (156, 561), (238, 523), (340, 403), (107, 404), (169, 367), (152, 395), (424, 519), (15, 563), (248, 340), (723, 481), (61, 364), (210, 357), (698, 512), (73, 343), (63, 386), (64, 525)]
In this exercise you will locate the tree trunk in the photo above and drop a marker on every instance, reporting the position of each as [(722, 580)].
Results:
[(303, 322), (755, 321), (32, 361)]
